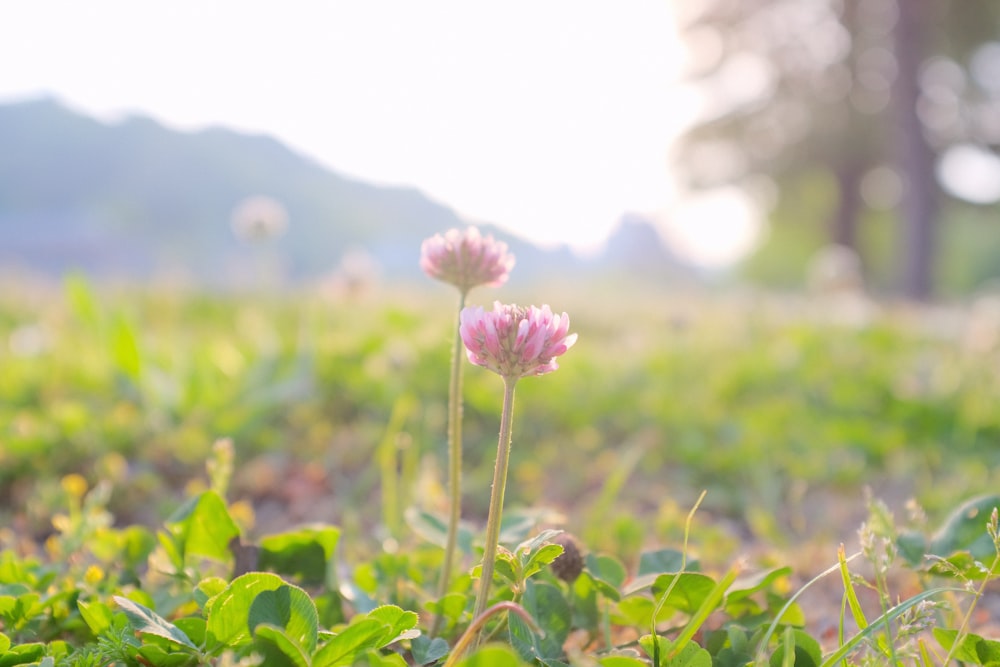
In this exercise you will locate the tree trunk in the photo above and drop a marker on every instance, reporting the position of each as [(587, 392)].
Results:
[(918, 207), (844, 226)]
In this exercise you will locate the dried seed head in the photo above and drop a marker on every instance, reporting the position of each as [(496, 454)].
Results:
[(569, 564)]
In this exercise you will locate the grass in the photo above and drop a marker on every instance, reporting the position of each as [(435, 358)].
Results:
[(782, 409), (761, 401)]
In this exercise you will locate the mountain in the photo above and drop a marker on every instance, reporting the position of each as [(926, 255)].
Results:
[(134, 199), (636, 245)]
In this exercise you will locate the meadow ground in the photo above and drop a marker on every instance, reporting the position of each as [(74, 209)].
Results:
[(790, 412)]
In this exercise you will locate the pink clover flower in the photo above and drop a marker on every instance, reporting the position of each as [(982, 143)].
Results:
[(515, 342), (466, 259)]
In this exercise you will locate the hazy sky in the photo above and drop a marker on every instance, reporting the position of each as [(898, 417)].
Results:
[(548, 117)]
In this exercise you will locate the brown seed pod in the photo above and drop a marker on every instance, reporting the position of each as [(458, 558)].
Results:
[(569, 564)]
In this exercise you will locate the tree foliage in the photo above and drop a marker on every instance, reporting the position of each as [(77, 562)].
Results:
[(864, 93)]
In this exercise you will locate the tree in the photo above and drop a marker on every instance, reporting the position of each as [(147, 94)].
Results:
[(793, 89), (914, 157)]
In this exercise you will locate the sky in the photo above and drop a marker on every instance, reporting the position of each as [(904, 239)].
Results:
[(549, 118)]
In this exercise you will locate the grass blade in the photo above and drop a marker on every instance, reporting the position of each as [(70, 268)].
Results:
[(886, 618), (762, 648), (849, 594)]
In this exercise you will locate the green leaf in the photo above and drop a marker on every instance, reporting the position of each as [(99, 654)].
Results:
[(664, 561), (606, 568), (451, 606), (966, 652), (355, 638), (290, 609), (608, 574), (434, 528), (278, 648), (638, 611), (691, 655), (965, 530), (961, 565), (711, 602), (492, 655), (229, 611), (96, 615), (373, 658), (974, 649), (690, 581), (586, 614), (505, 567), (154, 654), (125, 349), (21, 609), (207, 589), (148, 622), (736, 650), (541, 558), (912, 546), (305, 553), (7, 605), (640, 584), (746, 586), (621, 661), (82, 300), (400, 624), (4, 643), (806, 649), (194, 627), (172, 546), (739, 602), (13, 590), (544, 603), (203, 527), (687, 590), (988, 651), (426, 650), (515, 525), (528, 548), (791, 612), (22, 654)]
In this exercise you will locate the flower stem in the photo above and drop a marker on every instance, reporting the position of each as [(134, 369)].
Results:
[(477, 625), (454, 462), (496, 497)]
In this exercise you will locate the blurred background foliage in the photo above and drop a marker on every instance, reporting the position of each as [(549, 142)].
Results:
[(781, 407), (873, 124)]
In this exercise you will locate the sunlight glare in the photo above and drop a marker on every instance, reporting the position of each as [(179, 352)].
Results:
[(717, 228), (970, 173)]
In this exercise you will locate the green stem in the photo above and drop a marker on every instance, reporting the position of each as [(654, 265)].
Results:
[(496, 497), (964, 628), (454, 461), (470, 633)]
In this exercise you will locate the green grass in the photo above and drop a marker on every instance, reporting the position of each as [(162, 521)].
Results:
[(758, 400), (782, 409)]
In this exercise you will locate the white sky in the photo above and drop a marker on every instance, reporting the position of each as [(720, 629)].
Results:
[(548, 117)]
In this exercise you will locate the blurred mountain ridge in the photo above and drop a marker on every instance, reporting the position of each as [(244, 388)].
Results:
[(134, 199)]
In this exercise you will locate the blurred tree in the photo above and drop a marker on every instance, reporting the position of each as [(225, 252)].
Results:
[(845, 90), (914, 157)]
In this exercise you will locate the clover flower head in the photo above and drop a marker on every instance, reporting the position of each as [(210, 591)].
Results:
[(466, 259), (513, 341), (259, 218)]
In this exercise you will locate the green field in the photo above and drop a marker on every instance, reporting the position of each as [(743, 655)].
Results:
[(783, 409)]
